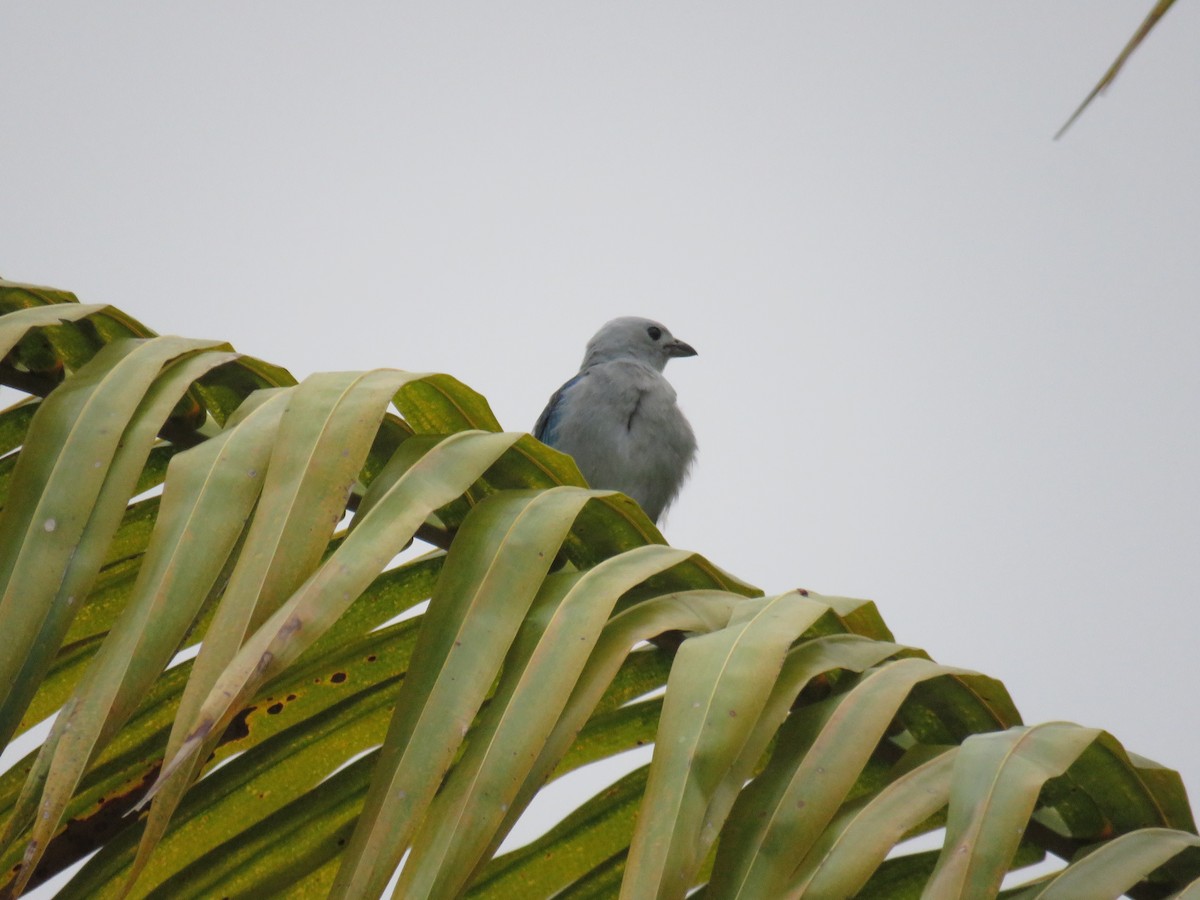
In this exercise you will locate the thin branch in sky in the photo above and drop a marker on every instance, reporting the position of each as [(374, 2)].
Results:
[(1160, 9)]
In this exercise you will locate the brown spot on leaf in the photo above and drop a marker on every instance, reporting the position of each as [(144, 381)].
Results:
[(290, 627), (238, 728), (337, 677), (274, 709), (82, 835)]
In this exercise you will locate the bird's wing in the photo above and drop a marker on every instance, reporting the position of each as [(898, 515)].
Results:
[(548, 421)]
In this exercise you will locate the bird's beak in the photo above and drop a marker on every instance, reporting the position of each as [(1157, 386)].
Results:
[(679, 348)]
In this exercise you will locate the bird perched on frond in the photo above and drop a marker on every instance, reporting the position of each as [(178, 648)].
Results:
[(618, 417)]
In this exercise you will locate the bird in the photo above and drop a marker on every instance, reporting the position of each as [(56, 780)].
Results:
[(618, 417)]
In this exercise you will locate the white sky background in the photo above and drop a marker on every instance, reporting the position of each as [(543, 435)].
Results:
[(945, 362)]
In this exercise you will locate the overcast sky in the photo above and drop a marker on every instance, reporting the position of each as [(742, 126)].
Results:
[(945, 363)]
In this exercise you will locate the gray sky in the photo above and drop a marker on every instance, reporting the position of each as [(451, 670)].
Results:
[(945, 362)]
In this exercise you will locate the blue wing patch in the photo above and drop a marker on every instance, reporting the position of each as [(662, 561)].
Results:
[(548, 421)]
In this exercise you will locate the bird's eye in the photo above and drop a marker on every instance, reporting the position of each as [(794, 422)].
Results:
[(655, 332)]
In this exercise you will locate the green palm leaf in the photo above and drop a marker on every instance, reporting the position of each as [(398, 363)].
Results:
[(329, 726)]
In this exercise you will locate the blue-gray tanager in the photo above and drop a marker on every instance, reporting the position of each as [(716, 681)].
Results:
[(618, 417)]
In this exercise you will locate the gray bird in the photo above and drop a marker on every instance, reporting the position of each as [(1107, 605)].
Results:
[(618, 417)]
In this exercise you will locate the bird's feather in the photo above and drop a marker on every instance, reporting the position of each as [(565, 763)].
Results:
[(547, 422)]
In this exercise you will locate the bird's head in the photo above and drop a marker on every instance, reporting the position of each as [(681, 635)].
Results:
[(631, 337)]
